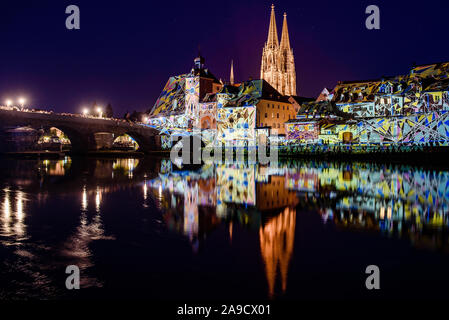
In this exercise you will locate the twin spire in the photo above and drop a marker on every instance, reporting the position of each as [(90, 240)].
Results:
[(273, 41), (278, 63)]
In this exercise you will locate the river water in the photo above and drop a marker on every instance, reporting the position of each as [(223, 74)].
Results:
[(143, 228)]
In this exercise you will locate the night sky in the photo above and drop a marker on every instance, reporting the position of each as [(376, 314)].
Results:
[(126, 50)]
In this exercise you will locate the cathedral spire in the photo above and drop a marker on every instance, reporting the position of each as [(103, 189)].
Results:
[(278, 63), (272, 41), (285, 40), (231, 79)]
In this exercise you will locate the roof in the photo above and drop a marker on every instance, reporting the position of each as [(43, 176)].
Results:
[(356, 91), (437, 71), (172, 98), (301, 100), (442, 85), (204, 73), (250, 93), (321, 109)]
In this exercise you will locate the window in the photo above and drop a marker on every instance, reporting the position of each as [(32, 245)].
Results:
[(272, 114), (283, 107), (278, 115), (266, 115), (287, 108), (279, 107)]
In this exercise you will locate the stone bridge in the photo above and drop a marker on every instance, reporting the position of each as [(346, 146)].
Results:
[(79, 129)]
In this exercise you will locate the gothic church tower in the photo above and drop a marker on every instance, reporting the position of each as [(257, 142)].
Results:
[(278, 62)]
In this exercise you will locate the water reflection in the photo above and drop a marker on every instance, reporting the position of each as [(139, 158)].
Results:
[(221, 198), (397, 201), (13, 217), (276, 244)]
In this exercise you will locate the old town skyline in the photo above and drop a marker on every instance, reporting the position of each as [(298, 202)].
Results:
[(126, 72)]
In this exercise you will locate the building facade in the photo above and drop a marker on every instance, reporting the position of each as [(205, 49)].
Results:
[(409, 109)]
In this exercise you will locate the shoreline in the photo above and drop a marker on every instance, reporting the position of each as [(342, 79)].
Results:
[(427, 155)]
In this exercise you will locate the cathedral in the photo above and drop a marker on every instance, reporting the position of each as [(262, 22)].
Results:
[(278, 63)]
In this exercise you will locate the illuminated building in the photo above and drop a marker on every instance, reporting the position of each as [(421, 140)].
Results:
[(247, 108), (178, 105), (278, 63), (409, 109)]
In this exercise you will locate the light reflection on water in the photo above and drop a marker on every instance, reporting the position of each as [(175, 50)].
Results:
[(393, 201)]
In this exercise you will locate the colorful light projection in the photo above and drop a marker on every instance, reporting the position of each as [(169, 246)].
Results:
[(207, 116), (166, 142), (192, 98), (248, 93), (236, 124), (172, 98), (303, 131), (236, 185), (423, 128)]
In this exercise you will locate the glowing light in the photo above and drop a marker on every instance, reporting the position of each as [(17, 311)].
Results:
[(22, 101), (98, 199), (6, 219), (19, 205), (7, 205), (84, 202), (19, 226), (8, 103), (85, 111), (145, 191)]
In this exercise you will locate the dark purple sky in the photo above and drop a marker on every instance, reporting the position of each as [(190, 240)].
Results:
[(126, 50)]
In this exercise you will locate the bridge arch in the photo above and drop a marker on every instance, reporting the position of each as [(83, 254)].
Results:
[(146, 143), (80, 141), (125, 142)]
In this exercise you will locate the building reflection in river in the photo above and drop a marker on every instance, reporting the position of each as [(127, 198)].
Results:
[(400, 201), (277, 237), (396, 201)]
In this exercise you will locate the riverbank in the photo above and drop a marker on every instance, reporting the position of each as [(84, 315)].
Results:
[(35, 154), (437, 155)]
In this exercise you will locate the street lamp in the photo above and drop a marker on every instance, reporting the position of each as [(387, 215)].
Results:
[(145, 120), (22, 102), (100, 112), (85, 111), (8, 103)]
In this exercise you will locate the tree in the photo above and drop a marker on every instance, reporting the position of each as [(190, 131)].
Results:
[(109, 112)]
